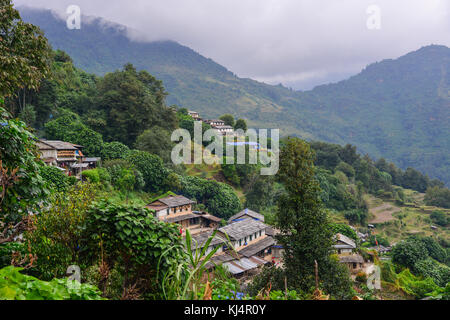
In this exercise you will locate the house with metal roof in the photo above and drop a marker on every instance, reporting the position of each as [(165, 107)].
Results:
[(178, 209), (245, 214), (343, 244), (66, 155)]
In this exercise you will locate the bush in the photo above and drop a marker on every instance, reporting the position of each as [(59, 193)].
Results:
[(408, 253), (55, 178), (114, 150), (152, 169), (440, 218), (429, 268), (91, 175), (17, 286), (345, 230), (356, 216)]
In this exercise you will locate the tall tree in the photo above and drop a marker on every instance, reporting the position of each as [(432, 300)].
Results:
[(305, 233), (133, 102)]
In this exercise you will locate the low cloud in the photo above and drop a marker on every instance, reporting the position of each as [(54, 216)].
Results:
[(300, 43)]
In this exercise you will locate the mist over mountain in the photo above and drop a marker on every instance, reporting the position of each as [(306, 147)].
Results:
[(396, 109)]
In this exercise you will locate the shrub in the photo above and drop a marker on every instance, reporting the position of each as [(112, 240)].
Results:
[(17, 286), (440, 218), (56, 180)]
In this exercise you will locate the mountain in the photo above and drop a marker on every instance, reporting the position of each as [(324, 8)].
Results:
[(396, 109)]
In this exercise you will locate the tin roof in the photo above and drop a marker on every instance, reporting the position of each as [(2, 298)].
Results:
[(175, 201), (356, 258), (248, 212), (236, 267), (257, 247), (244, 228)]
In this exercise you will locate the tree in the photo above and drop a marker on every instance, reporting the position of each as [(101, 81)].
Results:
[(24, 52), (437, 196), (156, 140), (68, 127), (152, 168), (240, 124), (133, 102), (228, 119), (114, 150), (407, 253), (305, 232)]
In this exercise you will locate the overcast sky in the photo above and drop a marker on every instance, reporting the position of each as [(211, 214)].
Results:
[(299, 43)]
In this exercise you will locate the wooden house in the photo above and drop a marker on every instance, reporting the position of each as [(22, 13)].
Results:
[(344, 245), (355, 262)]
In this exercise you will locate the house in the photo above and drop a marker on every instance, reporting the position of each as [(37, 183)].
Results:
[(178, 209), (354, 262), (214, 123), (224, 130), (243, 233), (245, 214), (194, 115), (66, 155), (199, 241), (344, 245), (59, 153)]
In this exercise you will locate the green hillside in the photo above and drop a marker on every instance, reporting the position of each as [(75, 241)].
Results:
[(396, 109)]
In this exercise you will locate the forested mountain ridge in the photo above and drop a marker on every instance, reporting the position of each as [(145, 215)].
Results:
[(396, 109)]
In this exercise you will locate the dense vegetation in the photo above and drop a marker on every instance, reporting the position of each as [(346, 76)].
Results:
[(397, 109), (100, 224)]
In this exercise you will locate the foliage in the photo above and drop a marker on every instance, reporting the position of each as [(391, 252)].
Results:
[(440, 293), (55, 179), (440, 218), (131, 236), (120, 168), (68, 126), (380, 240), (151, 167), (219, 198), (438, 196), (240, 124), (24, 52), (356, 216), (429, 268), (57, 236), (114, 150), (228, 119), (304, 227), (156, 140), (8, 250), (132, 102), (407, 253), (345, 230), (22, 189), (17, 286), (183, 281)]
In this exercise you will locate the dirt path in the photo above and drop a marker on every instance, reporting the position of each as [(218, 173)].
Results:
[(383, 213)]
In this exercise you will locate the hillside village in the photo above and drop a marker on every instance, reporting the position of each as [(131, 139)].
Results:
[(89, 193)]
